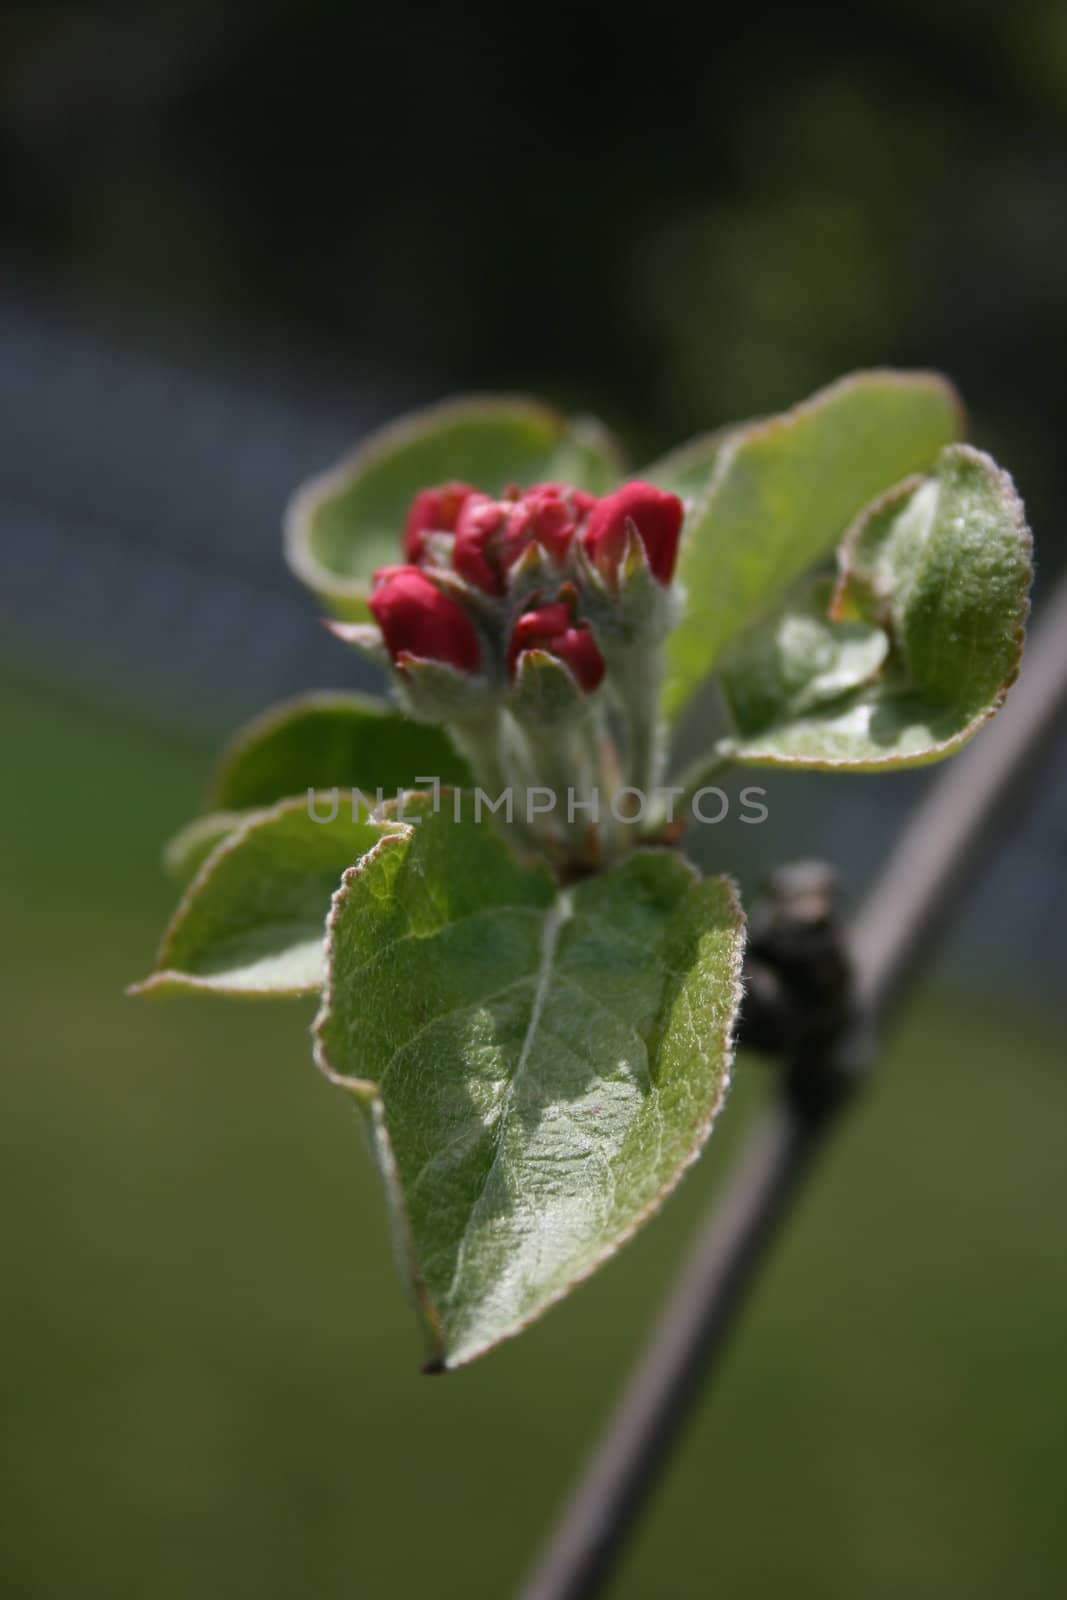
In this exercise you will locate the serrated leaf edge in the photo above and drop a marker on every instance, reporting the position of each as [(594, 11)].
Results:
[(191, 833), (368, 1095), (173, 980), (766, 428), (781, 421), (944, 747)]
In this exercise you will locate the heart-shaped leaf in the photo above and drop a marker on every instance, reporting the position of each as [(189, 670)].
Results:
[(943, 566), (537, 1067), (252, 921), (327, 740), (345, 524), (782, 493)]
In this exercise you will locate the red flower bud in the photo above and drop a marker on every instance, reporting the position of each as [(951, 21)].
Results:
[(656, 518), (548, 514), (549, 628), (582, 501), (416, 619), (474, 550), (491, 535), (433, 511)]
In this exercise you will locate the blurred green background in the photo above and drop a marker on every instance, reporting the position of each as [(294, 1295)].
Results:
[(210, 1379)]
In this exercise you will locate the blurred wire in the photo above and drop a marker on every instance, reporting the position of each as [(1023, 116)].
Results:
[(944, 848)]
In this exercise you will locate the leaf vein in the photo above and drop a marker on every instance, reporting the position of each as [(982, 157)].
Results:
[(553, 922)]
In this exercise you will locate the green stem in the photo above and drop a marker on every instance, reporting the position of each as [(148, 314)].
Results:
[(644, 739), (479, 740), (638, 678)]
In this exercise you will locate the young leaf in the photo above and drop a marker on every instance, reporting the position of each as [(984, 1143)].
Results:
[(944, 566), (781, 494), (327, 740), (536, 1067), (797, 661), (686, 470), (345, 524), (186, 852), (252, 921)]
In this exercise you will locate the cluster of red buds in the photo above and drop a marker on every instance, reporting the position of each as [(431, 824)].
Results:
[(533, 555), (532, 625)]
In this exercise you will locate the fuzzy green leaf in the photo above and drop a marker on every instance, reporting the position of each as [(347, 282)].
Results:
[(798, 661), (323, 740), (252, 921), (537, 1067), (345, 524), (186, 852), (782, 493), (944, 567), (686, 470)]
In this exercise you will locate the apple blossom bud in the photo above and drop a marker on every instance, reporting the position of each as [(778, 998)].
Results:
[(548, 514), (416, 619), (492, 535), (655, 516), (433, 511), (549, 628), (582, 501), (474, 550)]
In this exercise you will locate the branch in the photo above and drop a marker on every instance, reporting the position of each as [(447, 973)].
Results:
[(951, 838)]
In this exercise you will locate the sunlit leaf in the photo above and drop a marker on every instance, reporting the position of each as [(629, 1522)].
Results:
[(252, 921), (190, 847), (782, 493), (537, 1067), (943, 566), (323, 740), (686, 470), (798, 661)]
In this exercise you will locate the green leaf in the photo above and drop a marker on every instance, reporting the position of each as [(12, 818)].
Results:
[(185, 854), (327, 740), (944, 566), (252, 921), (781, 494), (345, 524), (686, 470), (537, 1067), (797, 661)]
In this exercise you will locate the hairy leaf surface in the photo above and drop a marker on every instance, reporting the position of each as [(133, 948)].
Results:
[(252, 921), (537, 1067), (940, 568), (328, 739), (781, 494)]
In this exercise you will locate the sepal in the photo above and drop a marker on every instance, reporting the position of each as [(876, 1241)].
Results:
[(432, 691), (545, 693)]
